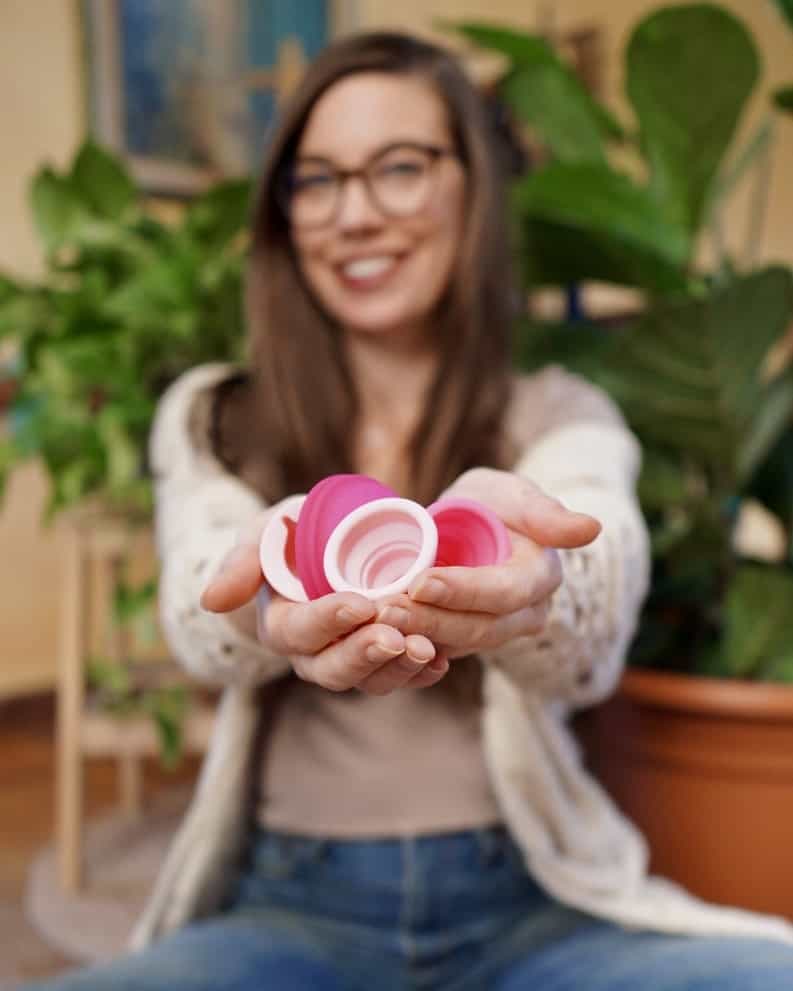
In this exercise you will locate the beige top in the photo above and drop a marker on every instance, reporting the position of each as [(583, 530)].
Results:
[(574, 841), (349, 764)]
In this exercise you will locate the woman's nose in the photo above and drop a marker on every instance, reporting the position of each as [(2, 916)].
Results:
[(356, 210)]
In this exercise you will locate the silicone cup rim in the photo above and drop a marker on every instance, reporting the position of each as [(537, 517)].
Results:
[(272, 559), (424, 559)]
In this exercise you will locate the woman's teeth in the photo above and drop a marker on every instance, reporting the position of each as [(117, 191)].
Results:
[(368, 268)]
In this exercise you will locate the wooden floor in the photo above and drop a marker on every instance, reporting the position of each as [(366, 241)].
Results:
[(27, 762)]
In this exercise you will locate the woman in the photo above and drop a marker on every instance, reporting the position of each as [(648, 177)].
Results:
[(445, 838)]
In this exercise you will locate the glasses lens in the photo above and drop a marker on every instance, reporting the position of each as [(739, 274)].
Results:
[(401, 179), (313, 190)]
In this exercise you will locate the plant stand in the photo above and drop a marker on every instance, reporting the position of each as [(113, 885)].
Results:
[(97, 548)]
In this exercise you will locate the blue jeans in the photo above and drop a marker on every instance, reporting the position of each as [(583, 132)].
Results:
[(454, 912)]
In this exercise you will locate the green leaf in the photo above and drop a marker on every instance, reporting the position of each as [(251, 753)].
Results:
[(689, 374), (783, 98), (590, 222), (758, 623), (544, 92), (221, 213), (101, 181), (57, 209), (687, 121), (549, 101)]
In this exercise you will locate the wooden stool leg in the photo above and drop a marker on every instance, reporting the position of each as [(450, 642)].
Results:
[(70, 703), (130, 777)]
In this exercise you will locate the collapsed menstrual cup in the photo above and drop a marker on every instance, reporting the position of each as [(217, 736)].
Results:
[(351, 533)]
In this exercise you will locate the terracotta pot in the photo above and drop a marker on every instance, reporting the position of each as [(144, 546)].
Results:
[(704, 767)]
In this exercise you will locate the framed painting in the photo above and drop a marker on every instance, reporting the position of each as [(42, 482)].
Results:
[(186, 90)]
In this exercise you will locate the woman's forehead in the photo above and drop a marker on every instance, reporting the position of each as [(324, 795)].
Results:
[(362, 113)]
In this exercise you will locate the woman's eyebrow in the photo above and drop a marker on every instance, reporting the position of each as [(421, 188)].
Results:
[(325, 159)]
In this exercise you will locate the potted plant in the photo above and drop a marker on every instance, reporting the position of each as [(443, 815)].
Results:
[(697, 745), (126, 302)]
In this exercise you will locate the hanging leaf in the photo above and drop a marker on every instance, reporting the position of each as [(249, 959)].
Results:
[(686, 121)]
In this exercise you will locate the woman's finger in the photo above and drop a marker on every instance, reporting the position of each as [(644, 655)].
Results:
[(347, 663), (309, 627), (532, 574), (466, 631), (402, 670), (237, 581)]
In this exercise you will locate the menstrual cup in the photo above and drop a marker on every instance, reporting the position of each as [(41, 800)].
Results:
[(326, 505), (469, 534), (351, 533), (380, 547)]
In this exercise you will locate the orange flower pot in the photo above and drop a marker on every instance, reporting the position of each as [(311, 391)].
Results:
[(704, 767)]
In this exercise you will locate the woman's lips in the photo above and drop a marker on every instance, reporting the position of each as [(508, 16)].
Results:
[(366, 274)]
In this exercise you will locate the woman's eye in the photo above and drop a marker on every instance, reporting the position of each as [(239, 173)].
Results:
[(402, 168), (314, 181)]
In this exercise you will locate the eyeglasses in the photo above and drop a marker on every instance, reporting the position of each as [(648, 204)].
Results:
[(399, 181)]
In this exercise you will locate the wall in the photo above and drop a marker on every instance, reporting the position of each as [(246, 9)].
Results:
[(41, 118)]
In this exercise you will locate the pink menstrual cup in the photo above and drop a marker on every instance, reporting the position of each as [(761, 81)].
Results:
[(380, 547), (328, 502), (469, 534)]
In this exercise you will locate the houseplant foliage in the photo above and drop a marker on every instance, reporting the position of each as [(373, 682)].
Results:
[(126, 302), (701, 372)]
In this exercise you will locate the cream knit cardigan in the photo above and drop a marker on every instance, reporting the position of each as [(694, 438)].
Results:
[(575, 842)]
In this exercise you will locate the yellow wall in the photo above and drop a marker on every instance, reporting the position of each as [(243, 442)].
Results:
[(41, 118)]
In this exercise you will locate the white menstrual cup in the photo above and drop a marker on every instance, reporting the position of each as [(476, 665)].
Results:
[(380, 547), (277, 550)]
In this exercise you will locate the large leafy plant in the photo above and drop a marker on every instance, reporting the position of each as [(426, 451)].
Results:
[(126, 302), (701, 372)]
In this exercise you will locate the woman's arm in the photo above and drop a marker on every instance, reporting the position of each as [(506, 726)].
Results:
[(200, 510)]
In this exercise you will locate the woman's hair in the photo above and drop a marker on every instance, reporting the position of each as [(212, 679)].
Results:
[(291, 421)]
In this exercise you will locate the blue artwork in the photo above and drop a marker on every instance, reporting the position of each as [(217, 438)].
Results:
[(188, 89)]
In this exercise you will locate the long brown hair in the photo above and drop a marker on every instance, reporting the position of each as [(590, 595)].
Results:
[(299, 401)]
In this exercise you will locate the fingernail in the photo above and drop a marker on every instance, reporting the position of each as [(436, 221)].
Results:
[(394, 616), (350, 615), (379, 652), (439, 665), (429, 590), (421, 654)]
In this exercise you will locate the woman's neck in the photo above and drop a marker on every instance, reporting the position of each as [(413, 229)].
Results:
[(392, 383)]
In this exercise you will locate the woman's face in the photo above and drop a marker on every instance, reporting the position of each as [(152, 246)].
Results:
[(375, 270)]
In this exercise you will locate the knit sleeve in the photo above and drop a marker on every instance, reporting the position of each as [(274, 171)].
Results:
[(590, 462), (199, 510)]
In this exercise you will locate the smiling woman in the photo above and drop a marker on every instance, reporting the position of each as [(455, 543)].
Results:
[(372, 834)]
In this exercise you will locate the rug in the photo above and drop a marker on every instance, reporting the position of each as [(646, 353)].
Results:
[(122, 858)]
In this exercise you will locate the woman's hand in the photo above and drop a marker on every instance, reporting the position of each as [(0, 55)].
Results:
[(331, 641), (464, 610)]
